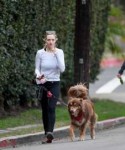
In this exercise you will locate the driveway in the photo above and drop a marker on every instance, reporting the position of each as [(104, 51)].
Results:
[(108, 85)]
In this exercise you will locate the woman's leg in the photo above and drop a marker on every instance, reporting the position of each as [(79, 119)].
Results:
[(44, 106), (55, 90), (48, 109)]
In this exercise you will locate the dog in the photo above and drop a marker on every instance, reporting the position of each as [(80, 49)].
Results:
[(81, 111)]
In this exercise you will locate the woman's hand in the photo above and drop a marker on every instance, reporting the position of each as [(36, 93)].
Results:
[(41, 79), (119, 75)]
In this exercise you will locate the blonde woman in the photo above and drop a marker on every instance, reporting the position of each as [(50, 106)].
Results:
[(49, 63)]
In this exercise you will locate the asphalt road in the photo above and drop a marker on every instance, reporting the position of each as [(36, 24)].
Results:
[(110, 139), (108, 75)]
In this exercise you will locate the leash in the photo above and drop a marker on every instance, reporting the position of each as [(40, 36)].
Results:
[(49, 95)]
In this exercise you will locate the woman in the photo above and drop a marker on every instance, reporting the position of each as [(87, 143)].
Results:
[(49, 63)]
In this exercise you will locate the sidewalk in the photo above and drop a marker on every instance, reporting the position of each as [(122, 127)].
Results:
[(59, 133)]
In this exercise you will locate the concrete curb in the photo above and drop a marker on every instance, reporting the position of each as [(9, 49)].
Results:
[(14, 141)]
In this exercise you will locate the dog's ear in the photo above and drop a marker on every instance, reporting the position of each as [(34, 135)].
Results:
[(69, 99), (69, 103)]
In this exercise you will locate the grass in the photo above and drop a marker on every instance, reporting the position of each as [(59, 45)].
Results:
[(30, 116), (106, 109)]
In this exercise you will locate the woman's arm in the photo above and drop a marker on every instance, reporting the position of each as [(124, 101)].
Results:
[(60, 59), (37, 65)]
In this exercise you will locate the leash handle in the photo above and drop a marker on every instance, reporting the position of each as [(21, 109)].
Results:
[(49, 95)]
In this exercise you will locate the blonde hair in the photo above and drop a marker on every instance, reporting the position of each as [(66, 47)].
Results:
[(50, 33)]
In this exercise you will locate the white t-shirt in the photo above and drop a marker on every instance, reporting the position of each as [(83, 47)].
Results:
[(49, 64)]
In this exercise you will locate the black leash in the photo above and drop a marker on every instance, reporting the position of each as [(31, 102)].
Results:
[(49, 95)]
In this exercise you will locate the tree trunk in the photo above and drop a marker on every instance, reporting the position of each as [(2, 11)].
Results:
[(82, 42)]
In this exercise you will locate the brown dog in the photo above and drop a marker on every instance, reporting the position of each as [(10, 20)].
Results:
[(81, 112)]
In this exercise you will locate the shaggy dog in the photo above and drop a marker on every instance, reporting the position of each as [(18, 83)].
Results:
[(81, 111)]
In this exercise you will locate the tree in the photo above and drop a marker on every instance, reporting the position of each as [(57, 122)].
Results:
[(82, 42), (115, 37)]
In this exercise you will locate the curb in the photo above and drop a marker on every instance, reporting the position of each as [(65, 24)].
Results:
[(63, 132)]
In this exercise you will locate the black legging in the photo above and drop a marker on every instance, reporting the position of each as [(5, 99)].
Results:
[(48, 105)]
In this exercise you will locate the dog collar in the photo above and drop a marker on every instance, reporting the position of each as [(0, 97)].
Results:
[(78, 118)]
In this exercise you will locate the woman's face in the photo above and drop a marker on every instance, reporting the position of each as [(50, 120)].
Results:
[(50, 41)]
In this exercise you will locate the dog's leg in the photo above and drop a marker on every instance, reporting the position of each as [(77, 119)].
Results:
[(82, 133), (92, 127), (92, 131), (71, 132)]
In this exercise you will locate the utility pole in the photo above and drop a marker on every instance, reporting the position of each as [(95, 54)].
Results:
[(82, 42)]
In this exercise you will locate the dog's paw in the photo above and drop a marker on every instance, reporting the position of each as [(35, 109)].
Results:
[(81, 139), (72, 138), (93, 138)]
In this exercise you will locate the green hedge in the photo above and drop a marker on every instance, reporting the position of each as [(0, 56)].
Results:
[(23, 24)]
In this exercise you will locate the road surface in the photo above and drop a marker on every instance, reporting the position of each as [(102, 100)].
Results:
[(110, 139)]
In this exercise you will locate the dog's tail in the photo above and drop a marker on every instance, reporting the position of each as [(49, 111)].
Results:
[(78, 91)]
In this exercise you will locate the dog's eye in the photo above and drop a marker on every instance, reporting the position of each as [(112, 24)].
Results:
[(75, 104)]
